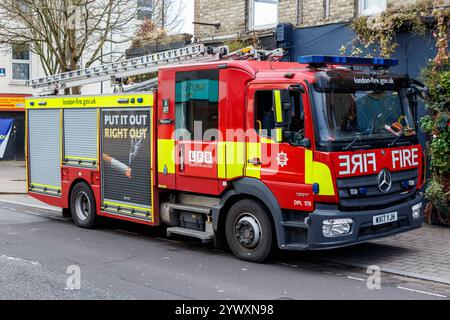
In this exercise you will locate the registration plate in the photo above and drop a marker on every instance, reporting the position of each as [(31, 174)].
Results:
[(385, 218)]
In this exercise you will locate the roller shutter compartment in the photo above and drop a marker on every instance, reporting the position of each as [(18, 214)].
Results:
[(44, 138), (81, 138)]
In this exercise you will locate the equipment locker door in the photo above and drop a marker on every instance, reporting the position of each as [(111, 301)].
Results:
[(44, 137), (197, 122), (126, 162)]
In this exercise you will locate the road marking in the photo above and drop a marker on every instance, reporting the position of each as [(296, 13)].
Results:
[(30, 205), (34, 263), (354, 278), (423, 292), (287, 264)]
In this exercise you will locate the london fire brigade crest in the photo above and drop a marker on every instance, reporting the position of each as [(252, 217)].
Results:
[(282, 159)]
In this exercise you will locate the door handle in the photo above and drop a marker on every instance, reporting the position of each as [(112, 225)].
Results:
[(255, 162), (166, 121), (182, 158)]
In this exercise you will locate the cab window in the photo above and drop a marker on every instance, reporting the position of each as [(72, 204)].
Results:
[(197, 105), (265, 113)]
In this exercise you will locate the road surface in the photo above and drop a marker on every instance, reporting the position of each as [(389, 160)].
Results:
[(126, 261)]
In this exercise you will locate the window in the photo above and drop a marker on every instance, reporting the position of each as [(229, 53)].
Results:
[(263, 14), (21, 62), (364, 115), (197, 105), (265, 114), (371, 7), (144, 9)]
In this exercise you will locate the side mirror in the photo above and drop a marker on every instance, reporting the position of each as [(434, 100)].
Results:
[(297, 140), (421, 89), (413, 94), (306, 143), (298, 88)]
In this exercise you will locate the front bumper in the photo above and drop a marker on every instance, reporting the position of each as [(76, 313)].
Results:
[(363, 228)]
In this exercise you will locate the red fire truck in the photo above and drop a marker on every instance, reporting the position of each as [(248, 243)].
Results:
[(255, 155)]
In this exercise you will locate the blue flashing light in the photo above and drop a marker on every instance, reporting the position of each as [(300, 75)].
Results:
[(348, 61)]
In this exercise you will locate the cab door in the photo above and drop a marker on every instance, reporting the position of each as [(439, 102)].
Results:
[(196, 125), (278, 145)]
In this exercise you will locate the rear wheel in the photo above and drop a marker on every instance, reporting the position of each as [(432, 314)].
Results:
[(248, 230), (83, 207)]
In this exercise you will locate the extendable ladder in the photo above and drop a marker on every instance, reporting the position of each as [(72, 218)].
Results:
[(146, 65)]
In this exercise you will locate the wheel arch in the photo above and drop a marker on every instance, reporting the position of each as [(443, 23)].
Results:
[(72, 186), (249, 188)]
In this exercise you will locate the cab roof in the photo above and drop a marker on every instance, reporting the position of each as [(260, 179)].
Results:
[(257, 69)]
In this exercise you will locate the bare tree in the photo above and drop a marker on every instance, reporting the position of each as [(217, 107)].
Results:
[(167, 14), (62, 32)]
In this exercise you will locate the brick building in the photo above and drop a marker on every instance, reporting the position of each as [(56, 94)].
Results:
[(218, 19), (309, 26), (17, 65)]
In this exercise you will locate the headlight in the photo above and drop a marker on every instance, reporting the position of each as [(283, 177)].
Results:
[(417, 211), (337, 227)]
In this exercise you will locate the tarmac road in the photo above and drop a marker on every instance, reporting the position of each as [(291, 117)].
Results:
[(125, 261)]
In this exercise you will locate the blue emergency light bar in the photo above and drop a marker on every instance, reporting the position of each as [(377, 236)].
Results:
[(348, 61)]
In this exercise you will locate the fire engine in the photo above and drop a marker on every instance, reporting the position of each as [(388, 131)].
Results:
[(239, 149)]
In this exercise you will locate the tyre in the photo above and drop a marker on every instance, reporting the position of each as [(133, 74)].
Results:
[(249, 231), (83, 206)]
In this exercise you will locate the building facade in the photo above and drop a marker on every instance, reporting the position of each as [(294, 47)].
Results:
[(225, 19), (314, 26), (17, 65)]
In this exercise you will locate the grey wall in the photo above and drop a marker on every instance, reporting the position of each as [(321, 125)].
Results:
[(413, 51)]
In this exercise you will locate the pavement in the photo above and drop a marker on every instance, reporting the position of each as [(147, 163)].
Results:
[(421, 254), (12, 177)]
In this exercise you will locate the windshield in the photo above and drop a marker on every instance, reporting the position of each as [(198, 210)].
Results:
[(351, 116)]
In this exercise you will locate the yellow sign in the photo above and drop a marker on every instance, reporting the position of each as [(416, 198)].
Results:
[(103, 101), (12, 103)]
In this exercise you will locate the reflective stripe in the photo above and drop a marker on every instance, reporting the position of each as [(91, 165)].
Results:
[(317, 172), (45, 186), (278, 107), (127, 206), (231, 159), (279, 134), (166, 155), (80, 158), (110, 101), (222, 160)]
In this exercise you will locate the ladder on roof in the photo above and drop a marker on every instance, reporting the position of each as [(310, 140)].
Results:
[(146, 65)]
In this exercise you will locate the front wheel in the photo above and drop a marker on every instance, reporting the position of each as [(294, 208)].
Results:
[(248, 230), (83, 207)]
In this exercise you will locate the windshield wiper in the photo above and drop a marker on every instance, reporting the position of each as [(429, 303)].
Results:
[(394, 142), (358, 138)]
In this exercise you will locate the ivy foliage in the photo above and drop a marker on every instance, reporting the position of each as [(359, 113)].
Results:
[(377, 36)]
